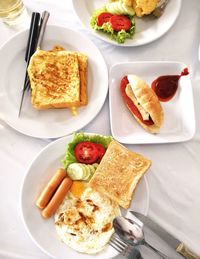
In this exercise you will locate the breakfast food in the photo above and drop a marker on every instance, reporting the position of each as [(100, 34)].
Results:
[(118, 173), (141, 7), (119, 7), (81, 171), (54, 193), (144, 7), (57, 198), (142, 102), (84, 210), (85, 149), (78, 188), (85, 224), (58, 78), (117, 17), (117, 26), (50, 188)]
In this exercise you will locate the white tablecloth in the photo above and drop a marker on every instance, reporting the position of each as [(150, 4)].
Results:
[(174, 180)]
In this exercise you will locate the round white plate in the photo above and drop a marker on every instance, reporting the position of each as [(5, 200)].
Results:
[(51, 123), (148, 28), (42, 231)]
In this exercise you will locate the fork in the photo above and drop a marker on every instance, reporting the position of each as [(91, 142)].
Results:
[(160, 8), (124, 248)]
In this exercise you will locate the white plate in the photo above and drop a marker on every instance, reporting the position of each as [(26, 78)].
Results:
[(52, 123), (179, 118), (42, 231), (147, 29)]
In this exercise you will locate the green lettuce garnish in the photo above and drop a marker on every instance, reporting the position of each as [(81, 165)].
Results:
[(69, 157), (119, 36)]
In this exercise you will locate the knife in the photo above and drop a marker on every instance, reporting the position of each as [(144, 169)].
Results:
[(164, 235)]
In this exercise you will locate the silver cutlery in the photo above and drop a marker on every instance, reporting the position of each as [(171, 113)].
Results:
[(160, 8), (177, 246), (124, 248), (131, 233)]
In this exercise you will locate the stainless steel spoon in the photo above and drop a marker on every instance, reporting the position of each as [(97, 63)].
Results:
[(132, 233)]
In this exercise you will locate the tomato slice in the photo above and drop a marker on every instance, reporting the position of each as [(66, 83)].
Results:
[(120, 22), (86, 152), (103, 17), (101, 150), (130, 104)]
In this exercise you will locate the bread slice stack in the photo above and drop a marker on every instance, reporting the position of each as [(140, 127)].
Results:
[(58, 78), (119, 173)]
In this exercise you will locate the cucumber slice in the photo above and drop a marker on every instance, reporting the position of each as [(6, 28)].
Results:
[(76, 171), (119, 8), (88, 172)]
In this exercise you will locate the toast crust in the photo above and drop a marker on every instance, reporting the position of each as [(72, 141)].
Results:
[(119, 173)]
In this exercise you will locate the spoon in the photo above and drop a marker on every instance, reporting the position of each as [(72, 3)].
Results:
[(132, 233)]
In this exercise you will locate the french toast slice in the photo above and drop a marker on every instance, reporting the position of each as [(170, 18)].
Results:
[(57, 78)]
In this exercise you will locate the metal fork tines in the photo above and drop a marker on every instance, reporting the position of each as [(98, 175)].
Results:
[(119, 245)]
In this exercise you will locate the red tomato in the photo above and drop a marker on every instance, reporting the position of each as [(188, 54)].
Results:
[(101, 150), (103, 17), (120, 22), (130, 104), (86, 152)]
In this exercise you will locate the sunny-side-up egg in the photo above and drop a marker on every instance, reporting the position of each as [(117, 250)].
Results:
[(85, 223)]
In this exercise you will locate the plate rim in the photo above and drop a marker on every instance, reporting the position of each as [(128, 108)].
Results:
[(164, 141), (12, 122), (112, 42), (27, 170)]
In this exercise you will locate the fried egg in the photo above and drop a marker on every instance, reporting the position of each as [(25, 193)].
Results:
[(85, 223)]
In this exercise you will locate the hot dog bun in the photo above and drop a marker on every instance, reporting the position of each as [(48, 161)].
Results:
[(146, 101), (57, 198), (50, 188)]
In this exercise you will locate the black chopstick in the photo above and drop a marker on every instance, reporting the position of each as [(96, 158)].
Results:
[(30, 49), (39, 37), (33, 36)]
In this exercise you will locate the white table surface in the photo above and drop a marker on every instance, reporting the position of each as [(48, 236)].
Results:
[(175, 173)]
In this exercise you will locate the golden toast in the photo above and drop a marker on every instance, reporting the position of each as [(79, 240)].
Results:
[(58, 78), (118, 173)]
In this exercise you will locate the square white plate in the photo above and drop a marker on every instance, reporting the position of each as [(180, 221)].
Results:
[(179, 118)]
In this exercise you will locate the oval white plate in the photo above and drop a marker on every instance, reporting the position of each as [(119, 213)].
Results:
[(42, 231), (52, 123), (148, 29)]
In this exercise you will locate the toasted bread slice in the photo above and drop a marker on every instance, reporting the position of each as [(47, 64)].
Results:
[(118, 173), (82, 63), (55, 78)]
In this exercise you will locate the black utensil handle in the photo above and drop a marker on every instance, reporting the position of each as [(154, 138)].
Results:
[(33, 36)]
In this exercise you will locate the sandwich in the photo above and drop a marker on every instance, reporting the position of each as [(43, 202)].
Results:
[(142, 102), (58, 78), (118, 173)]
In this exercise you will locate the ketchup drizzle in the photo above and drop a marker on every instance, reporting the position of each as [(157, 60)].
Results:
[(165, 87)]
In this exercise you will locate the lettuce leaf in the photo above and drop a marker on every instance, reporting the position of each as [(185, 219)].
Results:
[(119, 36), (80, 137)]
